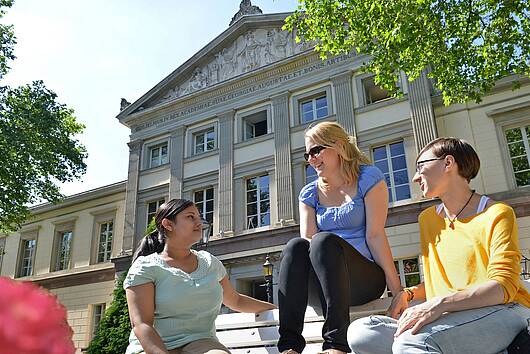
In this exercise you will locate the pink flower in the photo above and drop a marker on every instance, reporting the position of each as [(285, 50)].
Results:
[(32, 321)]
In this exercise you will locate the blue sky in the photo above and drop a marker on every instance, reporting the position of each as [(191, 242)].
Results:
[(93, 53)]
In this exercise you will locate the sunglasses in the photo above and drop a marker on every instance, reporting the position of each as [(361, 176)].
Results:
[(314, 152)]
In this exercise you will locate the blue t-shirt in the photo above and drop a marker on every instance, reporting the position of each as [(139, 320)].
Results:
[(186, 304), (349, 220)]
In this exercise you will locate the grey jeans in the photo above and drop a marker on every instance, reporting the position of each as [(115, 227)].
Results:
[(483, 330)]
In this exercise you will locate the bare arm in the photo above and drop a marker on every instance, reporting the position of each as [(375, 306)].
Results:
[(242, 303), (376, 206), (308, 221), (141, 303)]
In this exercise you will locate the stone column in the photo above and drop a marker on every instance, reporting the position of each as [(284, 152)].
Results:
[(421, 111), (344, 100), (131, 193), (226, 173), (282, 158), (176, 159)]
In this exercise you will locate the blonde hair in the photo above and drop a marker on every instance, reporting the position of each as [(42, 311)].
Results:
[(333, 135)]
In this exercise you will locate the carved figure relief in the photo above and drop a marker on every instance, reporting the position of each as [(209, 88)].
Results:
[(248, 52)]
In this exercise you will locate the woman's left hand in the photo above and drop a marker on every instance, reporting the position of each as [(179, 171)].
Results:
[(416, 317)]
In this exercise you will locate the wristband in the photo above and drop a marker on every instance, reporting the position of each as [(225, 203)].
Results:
[(410, 294)]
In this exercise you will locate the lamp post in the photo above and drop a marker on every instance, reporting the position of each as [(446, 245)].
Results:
[(267, 272)]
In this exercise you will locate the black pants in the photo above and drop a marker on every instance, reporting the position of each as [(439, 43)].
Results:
[(343, 277)]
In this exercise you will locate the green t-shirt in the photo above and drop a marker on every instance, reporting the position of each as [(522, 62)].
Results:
[(186, 304)]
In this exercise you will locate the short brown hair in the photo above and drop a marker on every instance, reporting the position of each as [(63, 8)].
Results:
[(465, 156)]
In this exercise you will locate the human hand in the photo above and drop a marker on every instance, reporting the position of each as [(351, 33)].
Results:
[(398, 305), (416, 317)]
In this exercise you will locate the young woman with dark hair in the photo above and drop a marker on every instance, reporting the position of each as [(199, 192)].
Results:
[(174, 293)]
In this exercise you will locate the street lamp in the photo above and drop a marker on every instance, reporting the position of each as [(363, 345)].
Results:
[(268, 268)]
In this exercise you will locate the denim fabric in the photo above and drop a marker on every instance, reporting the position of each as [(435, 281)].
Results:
[(485, 330)]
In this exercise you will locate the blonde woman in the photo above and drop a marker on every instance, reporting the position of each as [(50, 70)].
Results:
[(343, 253)]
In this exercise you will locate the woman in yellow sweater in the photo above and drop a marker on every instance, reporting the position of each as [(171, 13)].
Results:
[(475, 300)]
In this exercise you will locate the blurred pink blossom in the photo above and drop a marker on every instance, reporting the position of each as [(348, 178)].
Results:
[(32, 321)]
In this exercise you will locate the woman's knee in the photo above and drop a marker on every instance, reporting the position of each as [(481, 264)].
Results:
[(358, 335), (325, 240), (407, 343), (296, 246)]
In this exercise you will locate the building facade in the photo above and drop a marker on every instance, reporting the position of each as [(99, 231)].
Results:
[(67, 248), (225, 129)]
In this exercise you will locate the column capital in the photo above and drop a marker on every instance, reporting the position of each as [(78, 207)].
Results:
[(135, 144), (178, 130), (342, 77), (280, 96), (226, 115)]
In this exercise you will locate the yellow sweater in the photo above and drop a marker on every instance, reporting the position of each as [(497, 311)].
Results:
[(480, 248)]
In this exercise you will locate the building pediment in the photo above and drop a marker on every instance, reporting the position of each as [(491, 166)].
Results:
[(252, 42)]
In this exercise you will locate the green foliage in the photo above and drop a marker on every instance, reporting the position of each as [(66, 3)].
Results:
[(468, 44), (38, 145), (112, 334), (150, 227), (7, 40)]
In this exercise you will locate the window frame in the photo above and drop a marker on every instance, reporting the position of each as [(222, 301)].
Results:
[(26, 236), (204, 205), (243, 121), (401, 271), (526, 143), (107, 241), (57, 246), (361, 95), (392, 187), (298, 99), (92, 318), (149, 147), (205, 142), (158, 202), (258, 202)]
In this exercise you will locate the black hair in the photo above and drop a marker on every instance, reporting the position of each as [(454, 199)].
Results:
[(156, 240)]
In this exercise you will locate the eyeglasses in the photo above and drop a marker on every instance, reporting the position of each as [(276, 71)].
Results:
[(419, 164), (314, 151)]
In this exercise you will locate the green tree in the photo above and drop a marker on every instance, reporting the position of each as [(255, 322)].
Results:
[(112, 334), (467, 44), (38, 144)]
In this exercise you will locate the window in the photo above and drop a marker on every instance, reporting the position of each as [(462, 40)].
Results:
[(255, 125), (372, 92), (2, 251), (98, 311), (310, 174), (204, 141), (158, 155), (63, 245), (390, 159), (408, 270), (152, 207), (519, 149), (203, 199), (314, 108), (258, 205), (27, 256), (255, 287), (105, 241)]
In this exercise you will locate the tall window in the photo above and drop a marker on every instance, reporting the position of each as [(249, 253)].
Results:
[(372, 92), (203, 199), (2, 251), (258, 204), (204, 141), (255, 125), (152, 207), (519, 148), (314, 108), (158, 155), (63, 250), (105, 241), (390, 159), (310, 174), (98, 311), (27, 255)]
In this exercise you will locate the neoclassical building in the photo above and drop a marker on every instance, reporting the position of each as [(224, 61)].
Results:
[(225, 129)]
